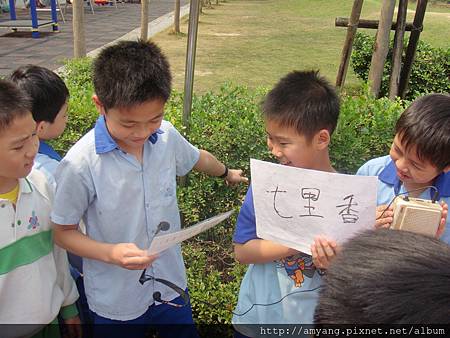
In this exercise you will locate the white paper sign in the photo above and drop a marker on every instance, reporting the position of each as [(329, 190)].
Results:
[(293, 205), (163, 242)]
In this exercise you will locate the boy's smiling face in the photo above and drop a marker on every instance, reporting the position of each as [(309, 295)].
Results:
[(131, 127), (18, 147), (412, 171), (289, 147)]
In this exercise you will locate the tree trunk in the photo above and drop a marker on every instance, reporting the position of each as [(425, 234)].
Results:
[(176, 17), (144, 19), (347, 49), (79, 40), (398, 49), (381, 47), (412, 46)]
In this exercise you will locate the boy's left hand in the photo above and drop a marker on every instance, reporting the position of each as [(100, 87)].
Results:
[(72, 329), (235, 176), (323, 252), (444, 214)]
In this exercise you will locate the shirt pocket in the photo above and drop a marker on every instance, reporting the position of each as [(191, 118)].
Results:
[(167, 187)]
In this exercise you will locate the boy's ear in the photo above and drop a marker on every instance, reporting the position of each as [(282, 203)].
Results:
[(99, 105), (322, 139), (446, 169), (41, 128)]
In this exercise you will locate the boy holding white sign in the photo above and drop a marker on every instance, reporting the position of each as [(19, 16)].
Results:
[(419, 160), (300, 114)]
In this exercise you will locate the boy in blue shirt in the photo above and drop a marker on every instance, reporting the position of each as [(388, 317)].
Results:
[(300, 114), (120, 178), (49, 96), (419, 158)]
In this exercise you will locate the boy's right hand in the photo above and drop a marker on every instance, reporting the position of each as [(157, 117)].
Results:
[(384, 217), (129, 256)]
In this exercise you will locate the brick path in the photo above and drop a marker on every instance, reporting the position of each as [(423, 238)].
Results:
[(50, 49)]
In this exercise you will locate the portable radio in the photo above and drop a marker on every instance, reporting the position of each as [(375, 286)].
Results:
[(416, 215)]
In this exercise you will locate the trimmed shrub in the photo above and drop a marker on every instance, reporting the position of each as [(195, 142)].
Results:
[(430, 71)]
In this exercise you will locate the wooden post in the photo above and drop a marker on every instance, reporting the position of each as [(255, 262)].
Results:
[(397, 49), (79, 40), (190, 62), (373, 24), (412, 46), (144, 19), (176, 17), (348, 44), (381, 47)]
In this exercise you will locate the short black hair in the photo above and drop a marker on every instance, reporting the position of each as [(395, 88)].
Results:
[(426, 125), (47, 90), (130, 73), (14, 103), (305, 101), (387, 277)]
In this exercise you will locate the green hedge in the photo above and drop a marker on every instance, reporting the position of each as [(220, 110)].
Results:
[(228, 124), (430, 71)]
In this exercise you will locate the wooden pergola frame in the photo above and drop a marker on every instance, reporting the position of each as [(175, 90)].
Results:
[(399, 76)]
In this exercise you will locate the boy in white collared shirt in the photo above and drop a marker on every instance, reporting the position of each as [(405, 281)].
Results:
[(120, 178), (35, 283)]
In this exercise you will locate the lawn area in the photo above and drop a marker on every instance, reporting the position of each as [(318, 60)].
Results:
[(254, 42)]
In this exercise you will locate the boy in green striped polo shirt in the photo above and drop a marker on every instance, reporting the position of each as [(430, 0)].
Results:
[(35, 283)]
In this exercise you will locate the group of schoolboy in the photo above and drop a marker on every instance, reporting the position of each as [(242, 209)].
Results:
[(119, 182)]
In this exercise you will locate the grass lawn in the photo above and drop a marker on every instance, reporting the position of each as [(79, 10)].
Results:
[(254, 42)]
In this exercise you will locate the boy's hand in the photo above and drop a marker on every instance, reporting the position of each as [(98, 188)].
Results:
[(323, 251), (235, 176), (72, 329), (384, 217), (129, 256), (444, 215)]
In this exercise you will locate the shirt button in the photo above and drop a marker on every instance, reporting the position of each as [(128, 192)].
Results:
[(146, 205)]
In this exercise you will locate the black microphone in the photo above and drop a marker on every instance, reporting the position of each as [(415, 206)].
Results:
[(162, 226)]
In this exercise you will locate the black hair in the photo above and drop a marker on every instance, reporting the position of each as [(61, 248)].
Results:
[(387, 277), (305, 101), (14, 103), (130, 73), (425, 124), (47, 90)]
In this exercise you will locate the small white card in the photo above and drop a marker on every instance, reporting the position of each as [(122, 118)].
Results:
[(294, 205), (163, 242)]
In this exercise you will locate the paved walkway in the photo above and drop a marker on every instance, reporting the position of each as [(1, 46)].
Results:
[(104, 26)]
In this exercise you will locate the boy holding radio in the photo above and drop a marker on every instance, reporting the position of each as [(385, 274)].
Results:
[(419, 160)]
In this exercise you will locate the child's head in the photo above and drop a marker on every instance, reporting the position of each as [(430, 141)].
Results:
[(300, 113), (421, 145), (387, 277), (132, 83), (49, 96), (18, 139)]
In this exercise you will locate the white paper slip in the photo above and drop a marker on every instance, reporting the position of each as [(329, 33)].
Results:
[(163, 242), (293, 205)]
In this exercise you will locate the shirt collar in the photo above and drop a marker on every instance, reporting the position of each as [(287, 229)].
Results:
[(105, 143), (389, 176), (48, 150), (24, 186)]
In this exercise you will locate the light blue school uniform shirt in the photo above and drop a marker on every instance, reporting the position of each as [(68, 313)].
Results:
[(287, 287), (121, 200), (46, 160), (389, 185)]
